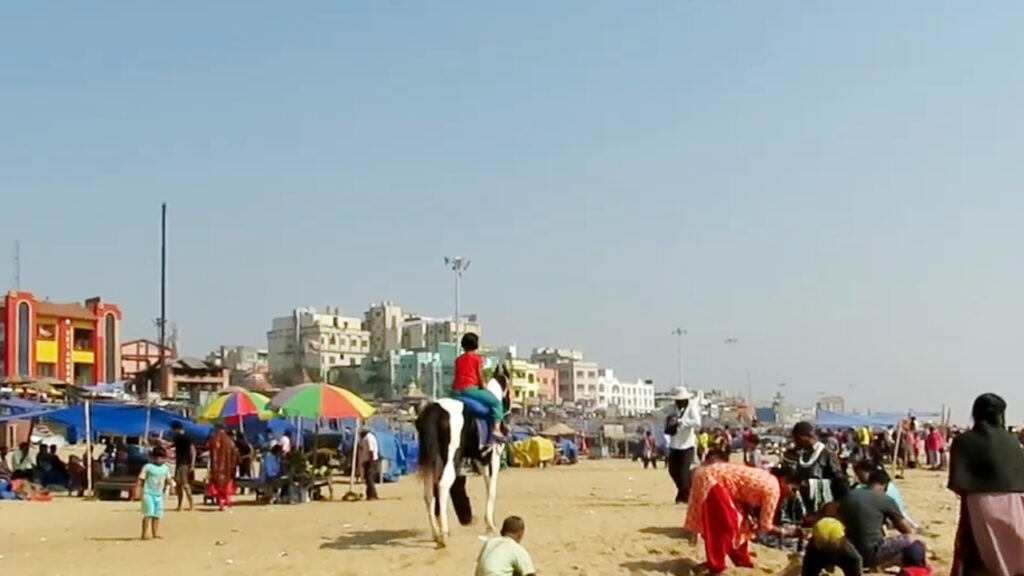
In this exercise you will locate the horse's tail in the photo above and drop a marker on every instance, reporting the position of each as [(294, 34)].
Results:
[(433, 426)]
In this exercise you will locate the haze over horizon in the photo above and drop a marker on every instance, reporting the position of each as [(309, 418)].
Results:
[(835, 186)]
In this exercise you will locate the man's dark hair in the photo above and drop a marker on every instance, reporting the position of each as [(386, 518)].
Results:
[(512, 525), (865, 466), (470, 342), (840, 488), (716, 455), (176, 426), (804, 429), (878, 477)]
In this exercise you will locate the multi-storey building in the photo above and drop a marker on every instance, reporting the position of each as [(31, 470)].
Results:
[(629, 398), (246, 359), (547, 379), (138, 355), (76, 343), (384, 322), (525, 384), (422, 333), (577, 378), (317, 341)]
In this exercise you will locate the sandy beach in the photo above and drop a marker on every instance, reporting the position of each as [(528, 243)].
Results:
[(597, 518)]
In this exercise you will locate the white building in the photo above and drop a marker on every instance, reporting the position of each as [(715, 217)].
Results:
[(384, 322), (240, 358), (629, 398), (422, 333), (312, 340), (577, 378)]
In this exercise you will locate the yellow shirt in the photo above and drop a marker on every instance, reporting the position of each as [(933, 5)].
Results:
[(865, 437), (702, 439)]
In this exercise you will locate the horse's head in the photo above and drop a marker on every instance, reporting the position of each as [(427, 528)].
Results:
[(503, 376)]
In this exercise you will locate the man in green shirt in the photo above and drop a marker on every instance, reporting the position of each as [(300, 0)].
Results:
[(504, 556)]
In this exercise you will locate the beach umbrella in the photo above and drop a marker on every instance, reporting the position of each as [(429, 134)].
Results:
[(233, 405), (318, 400)]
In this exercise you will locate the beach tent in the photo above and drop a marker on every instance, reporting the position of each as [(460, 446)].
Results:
[(829, 419), (114, 419), (532, 452), (558, 429), (15, 405)]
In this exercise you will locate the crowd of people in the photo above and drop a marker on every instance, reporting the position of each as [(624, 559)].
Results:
[(830, 496)]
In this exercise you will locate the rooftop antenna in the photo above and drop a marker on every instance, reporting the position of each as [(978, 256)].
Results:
[(17, 265)]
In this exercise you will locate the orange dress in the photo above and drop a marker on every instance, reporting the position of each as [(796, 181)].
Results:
[(746, 485)]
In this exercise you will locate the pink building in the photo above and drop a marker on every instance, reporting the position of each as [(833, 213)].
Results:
[(547, 379)]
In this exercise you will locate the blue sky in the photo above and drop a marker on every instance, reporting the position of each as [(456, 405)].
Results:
[(835, 184)]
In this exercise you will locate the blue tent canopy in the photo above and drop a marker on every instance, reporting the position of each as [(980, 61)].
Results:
[(829, 419), (114, 419)]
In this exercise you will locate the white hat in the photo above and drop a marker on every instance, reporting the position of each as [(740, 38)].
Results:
[(681, 393)]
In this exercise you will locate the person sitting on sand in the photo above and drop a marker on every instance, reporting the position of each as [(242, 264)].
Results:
[(915, 561), (829, 549), (24, 468), (5, 468), (863, 471), (505, 555), (865, 514), (721, 493), (153, 482)]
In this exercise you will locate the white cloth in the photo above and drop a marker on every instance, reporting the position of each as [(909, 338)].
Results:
[(689, 423), (368, 448), (285, 443)]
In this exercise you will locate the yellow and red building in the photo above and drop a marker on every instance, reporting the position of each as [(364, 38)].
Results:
[(76, 343)]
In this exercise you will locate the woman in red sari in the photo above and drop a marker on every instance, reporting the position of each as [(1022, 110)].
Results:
[(223, 463), (721, 493)]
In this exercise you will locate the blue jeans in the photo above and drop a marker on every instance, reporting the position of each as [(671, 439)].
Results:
[(485, 398)]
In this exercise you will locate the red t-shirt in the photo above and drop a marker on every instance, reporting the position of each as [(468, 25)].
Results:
[(467, 371)]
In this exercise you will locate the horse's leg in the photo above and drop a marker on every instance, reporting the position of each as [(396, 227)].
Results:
[(444, 487), (431, 502), (491, 477)]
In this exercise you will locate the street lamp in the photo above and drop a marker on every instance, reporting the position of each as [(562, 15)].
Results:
[(679, 333), (458, 265)]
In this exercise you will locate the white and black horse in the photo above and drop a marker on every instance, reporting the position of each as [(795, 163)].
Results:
[(449, 433)]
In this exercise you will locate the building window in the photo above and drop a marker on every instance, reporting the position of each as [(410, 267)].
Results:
[(83, 375), (83, 339), (46, 332), (46, 369), (109, 340), (24, 341)]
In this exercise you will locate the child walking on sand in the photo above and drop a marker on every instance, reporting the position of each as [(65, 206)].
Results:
[(153, 482)]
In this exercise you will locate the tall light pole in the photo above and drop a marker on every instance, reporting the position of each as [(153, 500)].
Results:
[(679, 333), (458, 265), (750, 386)]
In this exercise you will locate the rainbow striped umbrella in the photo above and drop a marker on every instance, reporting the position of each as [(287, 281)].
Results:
[(233, 405), (318, 400)]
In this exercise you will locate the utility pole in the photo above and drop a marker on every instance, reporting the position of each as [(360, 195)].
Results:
[(679, 333), (162, 323), (458, 265)]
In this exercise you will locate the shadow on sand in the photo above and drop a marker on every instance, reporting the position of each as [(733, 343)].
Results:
[(369, 539), (678, 566)]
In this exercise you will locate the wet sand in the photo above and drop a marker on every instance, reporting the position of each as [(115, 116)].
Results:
[(596, 518)]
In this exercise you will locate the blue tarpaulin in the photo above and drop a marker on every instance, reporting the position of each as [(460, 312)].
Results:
[(114, 419), (10, 406), (829, 419)]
